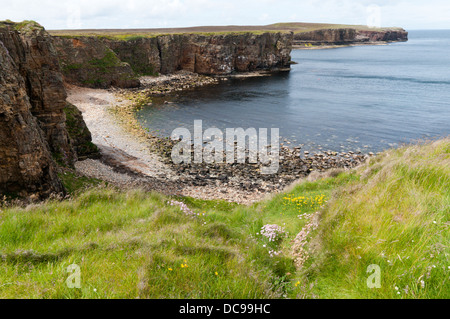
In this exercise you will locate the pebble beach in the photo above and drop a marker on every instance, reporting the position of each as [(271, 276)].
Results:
[(131, 157)]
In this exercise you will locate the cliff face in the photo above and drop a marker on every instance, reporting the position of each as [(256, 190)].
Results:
[(203, 54), (37, 62), (104, 61), (349, 36), (142, 54), (207, 54), (89, 62), (33, 129), (26, 165), (385, 36)]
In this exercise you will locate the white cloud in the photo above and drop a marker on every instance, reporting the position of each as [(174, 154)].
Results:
[(413, 14)]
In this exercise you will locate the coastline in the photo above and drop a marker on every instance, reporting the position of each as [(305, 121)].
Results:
[(132, 157), (337, 46), (127, 159)]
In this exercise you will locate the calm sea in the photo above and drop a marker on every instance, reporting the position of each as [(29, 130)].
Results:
[(366, 98)]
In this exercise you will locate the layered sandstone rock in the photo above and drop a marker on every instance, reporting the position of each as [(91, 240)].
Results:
[(31, 49), (217, 54), (393, 35), (142, 54), (225, 54), (344, 36), (26, 165), (33, 132), (89, 62)]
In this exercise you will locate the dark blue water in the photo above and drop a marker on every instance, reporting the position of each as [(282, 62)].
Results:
[(365, 98)]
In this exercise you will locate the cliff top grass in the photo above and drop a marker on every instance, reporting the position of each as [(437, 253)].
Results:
[(24, 26), (392, 212), (130, 34)]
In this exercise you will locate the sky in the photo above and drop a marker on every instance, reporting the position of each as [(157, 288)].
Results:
[(113, 14)]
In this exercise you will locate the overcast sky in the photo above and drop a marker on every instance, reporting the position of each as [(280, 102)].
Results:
[(85, 14)]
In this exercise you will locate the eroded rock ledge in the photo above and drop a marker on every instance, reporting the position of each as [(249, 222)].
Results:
[(33, 133)]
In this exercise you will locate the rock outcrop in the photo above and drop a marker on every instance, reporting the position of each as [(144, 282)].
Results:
[(33, 133), (104, 61), (80, 136), (220, 54), (346, 36), (89, 62), (39, 129), (392, 35), (217, 54), (26, 165), (31, 49)]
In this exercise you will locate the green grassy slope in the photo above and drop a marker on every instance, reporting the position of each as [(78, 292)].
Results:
[(397, 216), (393, 212)]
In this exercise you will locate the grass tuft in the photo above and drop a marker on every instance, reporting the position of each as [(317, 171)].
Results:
[(316, 240)]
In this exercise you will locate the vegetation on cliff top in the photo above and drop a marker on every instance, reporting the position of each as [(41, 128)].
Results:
[(392, 212), (134, 34), (24, 26)]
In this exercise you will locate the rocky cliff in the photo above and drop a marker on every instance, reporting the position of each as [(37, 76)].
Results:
[(346, 36), (26, 165), (33, 131), (89, 62), (217, 54), (31, 49)]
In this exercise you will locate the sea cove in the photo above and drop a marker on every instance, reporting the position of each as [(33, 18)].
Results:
[(359, 98)]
